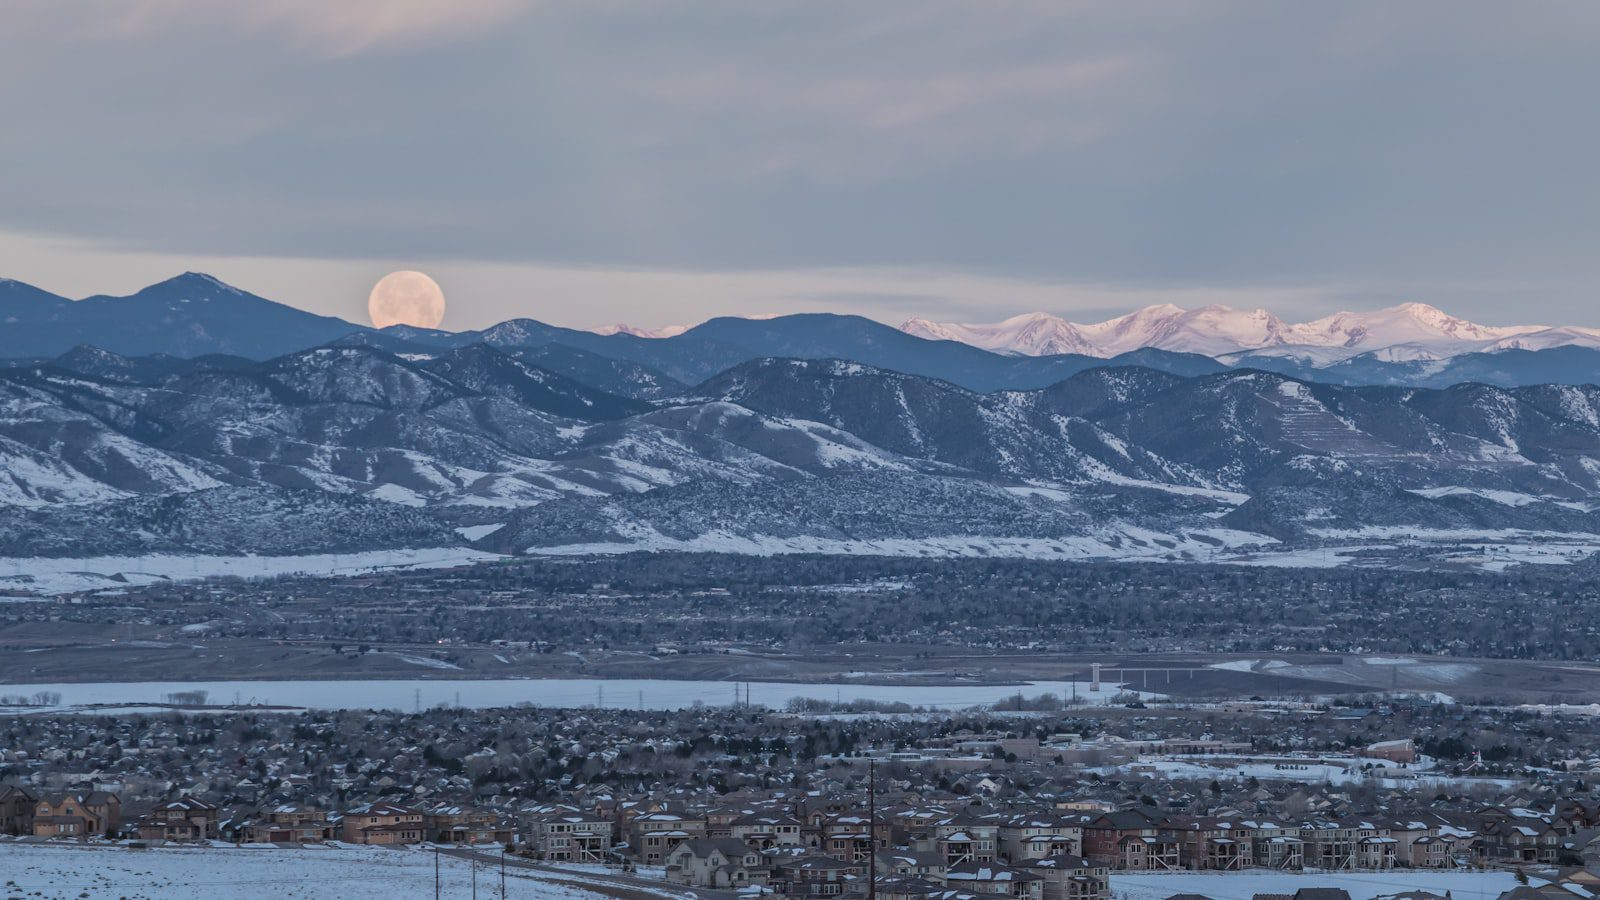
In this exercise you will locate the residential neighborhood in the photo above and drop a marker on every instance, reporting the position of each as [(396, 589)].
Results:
[(981, 804)]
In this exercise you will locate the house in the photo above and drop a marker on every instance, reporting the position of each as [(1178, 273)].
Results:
[(1103, 836), (185, 819), (383, 823), (1160, 852), (1431, 852), (77, 815), (652, 836), (290, 824), (846, 836), (1028, 837), (450, 823), (1068, 877), (570, 836), (958, 839), (764, 831), (16, 810), (992, 878), (919, 864), (716, 863), (1523, 839), (814, 876), (1211, 843)]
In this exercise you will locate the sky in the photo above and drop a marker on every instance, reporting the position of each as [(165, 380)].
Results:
[(592, 161)]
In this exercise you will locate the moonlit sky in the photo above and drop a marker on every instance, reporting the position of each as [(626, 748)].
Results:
[(593, 161)]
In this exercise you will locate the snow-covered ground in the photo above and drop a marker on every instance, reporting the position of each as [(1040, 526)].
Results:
[(1361, 885), (56, 576), (1303, 770), (229, 873), (1121, 542), (546, 692)]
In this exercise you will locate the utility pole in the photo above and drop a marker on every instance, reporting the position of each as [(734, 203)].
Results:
[(502, 873), (872, 830), (436, 873)]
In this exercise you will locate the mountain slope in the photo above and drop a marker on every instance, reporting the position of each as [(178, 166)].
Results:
[(772, 454), (189, 315)]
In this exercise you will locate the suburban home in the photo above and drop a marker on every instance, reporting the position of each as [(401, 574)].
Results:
[(449, 823), (847, 836), (764, 831), (16, 810), (1037, 836), (1210, 843), (290, 824), (716, 863), (652, 836), (814, 876), (1068, 877), (1524, 839), (185, 819), (383, 823), (77, 815), (992, 878), (570, 836), (1103, 838), (1159, 852)]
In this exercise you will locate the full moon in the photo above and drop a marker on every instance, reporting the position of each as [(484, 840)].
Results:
[(406, 298)]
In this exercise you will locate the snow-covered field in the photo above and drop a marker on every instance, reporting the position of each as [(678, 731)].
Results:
[(1300, 770), (55, 576), (228, 873), (1361, 885), (546, 692), (1123, 542)]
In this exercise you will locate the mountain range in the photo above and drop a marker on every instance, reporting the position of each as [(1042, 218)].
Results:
[(195, 315), (1405, 333), (817, 433), (349, 448)]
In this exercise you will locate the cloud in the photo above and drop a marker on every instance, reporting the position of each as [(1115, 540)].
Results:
[(1233, 145), (330, 28)]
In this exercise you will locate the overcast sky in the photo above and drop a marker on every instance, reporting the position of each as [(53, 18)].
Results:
[(659, 162)]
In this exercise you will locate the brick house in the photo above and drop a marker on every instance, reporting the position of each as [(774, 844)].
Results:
[(1104, 836)]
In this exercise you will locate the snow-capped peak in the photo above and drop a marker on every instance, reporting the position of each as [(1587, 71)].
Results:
[(665, 331), (1030, 334), (1416, 330)]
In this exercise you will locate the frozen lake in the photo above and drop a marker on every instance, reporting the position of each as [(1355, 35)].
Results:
[(547, 692)]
